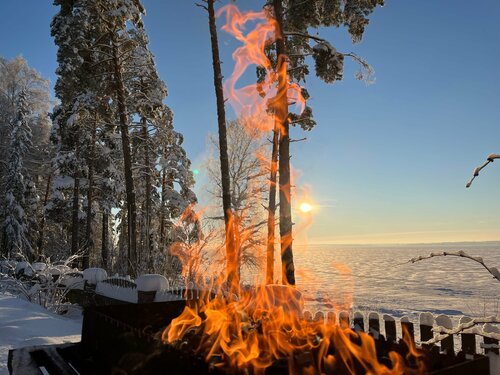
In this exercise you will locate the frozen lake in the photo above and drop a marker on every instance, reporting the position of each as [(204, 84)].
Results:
[(375, 279)]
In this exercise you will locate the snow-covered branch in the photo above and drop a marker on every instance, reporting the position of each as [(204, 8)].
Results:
[(489, 159), (492, 270), (466, 327)]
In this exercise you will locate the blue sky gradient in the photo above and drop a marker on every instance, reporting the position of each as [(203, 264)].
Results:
[(387, 163)]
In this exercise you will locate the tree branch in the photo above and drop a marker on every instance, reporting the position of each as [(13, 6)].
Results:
[(443, 332), (492, 270), (490, 159)]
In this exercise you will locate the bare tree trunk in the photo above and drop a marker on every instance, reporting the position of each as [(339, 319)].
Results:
[(286, 236), (127, 161), (231, 257), (271, 218), (104, 244), (89, 242), (39, 243)]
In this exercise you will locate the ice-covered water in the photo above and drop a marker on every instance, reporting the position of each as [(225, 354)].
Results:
[(379, 280)]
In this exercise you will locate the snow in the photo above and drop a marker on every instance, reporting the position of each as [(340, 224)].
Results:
[(493, 156), (39, 266), (444, 320), (373, 316), (26, 324), (426, 319), (382, 279), (113, 291), (94, 275), (388, 318), (151, 282)]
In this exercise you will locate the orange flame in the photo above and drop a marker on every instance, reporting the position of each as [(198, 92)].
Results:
[(250, 332), (266, 324), (252, 101)]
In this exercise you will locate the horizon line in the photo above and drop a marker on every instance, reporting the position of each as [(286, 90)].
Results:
[(311, 243)]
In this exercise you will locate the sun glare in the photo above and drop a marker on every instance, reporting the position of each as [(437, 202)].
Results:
[(305, 207)]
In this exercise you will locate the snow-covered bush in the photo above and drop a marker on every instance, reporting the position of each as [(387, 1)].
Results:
[(41, 283)]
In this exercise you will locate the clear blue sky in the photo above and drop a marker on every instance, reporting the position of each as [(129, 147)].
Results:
[(387, 163)]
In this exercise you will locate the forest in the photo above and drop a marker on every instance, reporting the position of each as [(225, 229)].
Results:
[(103, 176)]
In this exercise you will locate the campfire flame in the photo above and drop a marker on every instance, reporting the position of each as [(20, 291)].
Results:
[(265, 326), (255, 329)]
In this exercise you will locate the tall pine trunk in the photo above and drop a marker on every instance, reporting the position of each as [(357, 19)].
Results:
[(39, 242), (147, 177), (104, 239), (75, 223), (271, 218), (231, 257), (286, 236), (89, 241), (162, 211), (127, 161)]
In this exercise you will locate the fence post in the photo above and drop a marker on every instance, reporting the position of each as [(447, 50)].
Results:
[(468, 339), (331, 318), (406, 323), (426, 323), (490, 328), (390, 328), (447, 343), (319, 317), (374, 325), (358, 322), (344, 319)]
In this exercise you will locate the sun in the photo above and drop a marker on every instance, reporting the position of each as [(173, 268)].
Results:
[(305, 207)]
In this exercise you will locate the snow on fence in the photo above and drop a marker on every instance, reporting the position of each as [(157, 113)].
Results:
[(147, 288), (426, 329)]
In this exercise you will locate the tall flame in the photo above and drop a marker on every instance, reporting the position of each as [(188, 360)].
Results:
[(260, 327), (254, 100)]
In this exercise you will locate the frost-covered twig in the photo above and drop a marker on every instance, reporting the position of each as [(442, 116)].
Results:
[(492, 270), (490, 159), (443, 332)]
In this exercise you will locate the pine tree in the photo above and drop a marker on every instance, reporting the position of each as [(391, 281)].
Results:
[(15, 77), (107, 80), (295, 20), (16, 223)]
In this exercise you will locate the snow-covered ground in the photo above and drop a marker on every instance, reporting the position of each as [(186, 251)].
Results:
[(377, 278), (26, 324)]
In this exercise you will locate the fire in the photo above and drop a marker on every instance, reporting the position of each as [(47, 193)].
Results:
[(252, 330), (253, 101), (266, 325)]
